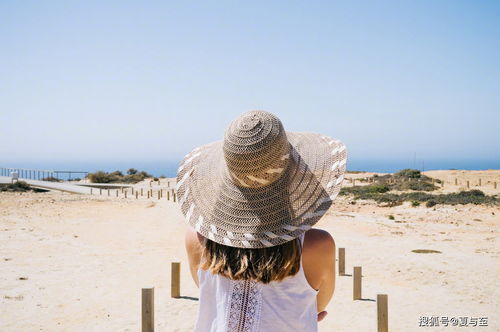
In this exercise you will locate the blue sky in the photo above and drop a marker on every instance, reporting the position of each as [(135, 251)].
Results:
[(142, 80)]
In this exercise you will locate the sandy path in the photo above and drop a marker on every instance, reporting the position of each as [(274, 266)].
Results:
[(85, 260)]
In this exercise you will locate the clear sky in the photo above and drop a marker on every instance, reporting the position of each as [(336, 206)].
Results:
[(137, 80)]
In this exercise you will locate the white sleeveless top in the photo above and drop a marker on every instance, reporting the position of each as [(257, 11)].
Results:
[(247, 306)]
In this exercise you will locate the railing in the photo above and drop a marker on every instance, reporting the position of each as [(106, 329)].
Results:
[(37, 174)]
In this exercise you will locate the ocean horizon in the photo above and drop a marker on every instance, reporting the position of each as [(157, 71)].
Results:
[(169, 168)]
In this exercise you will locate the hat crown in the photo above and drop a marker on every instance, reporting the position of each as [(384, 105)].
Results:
[(256, 149)]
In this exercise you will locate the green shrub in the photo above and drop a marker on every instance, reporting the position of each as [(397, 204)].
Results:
[(391, 217), (51, 179), (118, 177), (430, 203), (155, 179), (18, 186), (415, 203), (409, 173)]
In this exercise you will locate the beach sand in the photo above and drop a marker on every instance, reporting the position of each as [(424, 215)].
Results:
[(77, 263)]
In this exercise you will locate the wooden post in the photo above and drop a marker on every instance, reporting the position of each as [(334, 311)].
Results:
[(116, 192), (495, 185), (159, 194), (382, 317), (356, 293), (174, 197), (456, 182), (168, 195), (468, 186), (148, 194), (108, 193), (91, 191), (136, 194), (125, 192), (479, 182), (100, 191), (148, 312), (341, 261), (175, 286), (132, 190)]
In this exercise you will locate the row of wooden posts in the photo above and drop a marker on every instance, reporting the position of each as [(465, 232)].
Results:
[(175, 292), (467, 182), (149, 193)]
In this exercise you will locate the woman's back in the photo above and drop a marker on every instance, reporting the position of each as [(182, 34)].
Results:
[(249, 306)]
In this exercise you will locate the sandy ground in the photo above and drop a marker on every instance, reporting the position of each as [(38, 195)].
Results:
[(78, 263)]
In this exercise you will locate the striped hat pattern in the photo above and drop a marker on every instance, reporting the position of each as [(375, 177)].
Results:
[(260, 186)]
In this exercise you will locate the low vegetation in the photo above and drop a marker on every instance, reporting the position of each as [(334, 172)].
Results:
[(132, 176), (51, 179), (410, 185), (18, 186)]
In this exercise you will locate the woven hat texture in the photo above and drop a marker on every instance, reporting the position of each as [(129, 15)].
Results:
[(261, 186)]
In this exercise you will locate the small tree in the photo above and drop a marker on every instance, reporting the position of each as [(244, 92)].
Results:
[(131, 171)]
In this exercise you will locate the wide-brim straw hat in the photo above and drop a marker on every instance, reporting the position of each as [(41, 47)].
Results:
[(260, 186)]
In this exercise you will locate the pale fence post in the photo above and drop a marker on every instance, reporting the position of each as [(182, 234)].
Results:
[(175, 284), (382, 316), (341, 261), (148, 308), (356, 292)]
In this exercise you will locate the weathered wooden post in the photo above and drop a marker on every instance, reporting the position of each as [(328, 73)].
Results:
[(100, 191), (159, 194), (382, 315), (168, 195), (479, 182), (456, 182), (495, 185), (341, 261), (356, 293), (132, 190), (148, 194), (148, 303), (117, 192), (468, 185), (174, 197), (125, 192), (91, 191), (136, 194), (175, 285), (109, 193)]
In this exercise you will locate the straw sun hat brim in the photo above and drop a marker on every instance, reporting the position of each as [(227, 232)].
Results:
[(267, 216)]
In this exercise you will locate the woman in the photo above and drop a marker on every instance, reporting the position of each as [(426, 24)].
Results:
[(251, 201)]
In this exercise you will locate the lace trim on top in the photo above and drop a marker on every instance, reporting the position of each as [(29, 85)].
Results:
[(244, 306)]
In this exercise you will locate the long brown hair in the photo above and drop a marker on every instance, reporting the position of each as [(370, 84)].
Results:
[(262, 264)]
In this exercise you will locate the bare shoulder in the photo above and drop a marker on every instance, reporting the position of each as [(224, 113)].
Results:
[(318, 240), (318, 256), (193, 240)]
